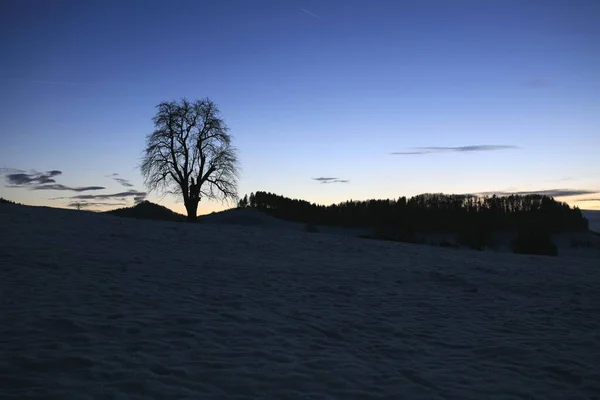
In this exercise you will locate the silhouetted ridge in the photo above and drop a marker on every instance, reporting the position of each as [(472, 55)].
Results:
[(148, 210), (467, 215), (4, 201)]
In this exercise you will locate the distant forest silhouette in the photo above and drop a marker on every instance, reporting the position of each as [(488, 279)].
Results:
[(5, 201), (430, 213)]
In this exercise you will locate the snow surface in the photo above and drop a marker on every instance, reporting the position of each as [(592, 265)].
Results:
[(96, 306), (593, 217)]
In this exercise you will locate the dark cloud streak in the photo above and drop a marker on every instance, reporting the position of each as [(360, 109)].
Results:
[(547, 192), (58, 186), (86, 204), (325, 180), (457, 149), (137, 196), (21, 178), (123, 182)]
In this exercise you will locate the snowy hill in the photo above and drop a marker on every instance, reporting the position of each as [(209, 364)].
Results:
[(593, 217), (248, 217), (147, 210), (100, 307)]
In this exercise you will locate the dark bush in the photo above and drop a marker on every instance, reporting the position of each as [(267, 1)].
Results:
[(577, 243), (534, 241), (445, 243), (395, 234), (475, 237), (311, 228)]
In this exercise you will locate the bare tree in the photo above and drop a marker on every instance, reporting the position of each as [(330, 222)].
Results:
[(190, 154)]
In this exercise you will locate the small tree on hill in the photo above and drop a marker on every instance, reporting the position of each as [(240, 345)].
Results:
[(190, 154), (243, 203)]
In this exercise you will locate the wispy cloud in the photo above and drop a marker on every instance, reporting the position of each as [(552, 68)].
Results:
[(587, 200), (137, 196), (34, 180), (457, 149), (58, 186), (546, 192), (564, 179), (326, 180), (311, 14), (22, 178), (536, 83), (122, 181), (88, 204), (62, 83)]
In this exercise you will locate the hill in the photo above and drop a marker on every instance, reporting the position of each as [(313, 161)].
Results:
[(593, 217), (248, 217), (147, 210), (124, 310)]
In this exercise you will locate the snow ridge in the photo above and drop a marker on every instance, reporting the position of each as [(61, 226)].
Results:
[(95, 306)]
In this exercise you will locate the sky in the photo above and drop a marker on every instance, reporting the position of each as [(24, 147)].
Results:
[(327, 101)]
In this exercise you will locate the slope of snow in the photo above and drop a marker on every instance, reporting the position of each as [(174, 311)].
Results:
[(254, 217), (249, 217), (593, 217), (94, 306)]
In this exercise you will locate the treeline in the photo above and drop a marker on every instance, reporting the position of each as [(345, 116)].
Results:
[(5, 201), (430, 213)]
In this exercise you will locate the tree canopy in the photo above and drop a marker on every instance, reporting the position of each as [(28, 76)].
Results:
[(190, 154)]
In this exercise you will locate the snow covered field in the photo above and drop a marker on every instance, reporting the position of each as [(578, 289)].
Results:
[(95, 306), (593, 217)]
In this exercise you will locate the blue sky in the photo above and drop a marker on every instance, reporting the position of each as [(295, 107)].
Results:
[(485, 96)]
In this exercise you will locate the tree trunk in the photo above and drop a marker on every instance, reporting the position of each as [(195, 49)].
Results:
[(191, 207)]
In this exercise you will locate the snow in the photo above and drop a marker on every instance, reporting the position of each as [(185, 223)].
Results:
[(593, 217), (95, 306)]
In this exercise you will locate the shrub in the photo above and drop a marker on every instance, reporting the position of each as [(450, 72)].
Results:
[(400, 234), (311, 228), (445, 243), (534, 241), (577, 243), (475, 237)]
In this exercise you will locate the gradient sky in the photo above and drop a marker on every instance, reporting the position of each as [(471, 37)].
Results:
[(479, 95)]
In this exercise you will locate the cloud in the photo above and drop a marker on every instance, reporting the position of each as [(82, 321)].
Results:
[(311, 14), (547, 192), (87, 204), (536, 83), (58, 186), (63, 83), (565, 179), (587, 200), (123, 182), (34, 180), (330, 180), (137, 196), (22, 178), (458, 149)]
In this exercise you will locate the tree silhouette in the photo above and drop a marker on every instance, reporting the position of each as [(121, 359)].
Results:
[(243, 203), (473, 218), (190, 154)]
